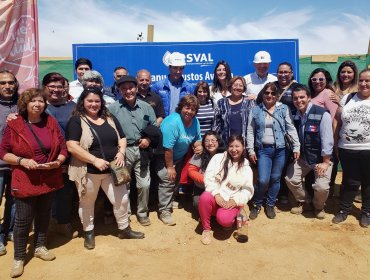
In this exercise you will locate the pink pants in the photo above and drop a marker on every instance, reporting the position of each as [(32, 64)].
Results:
[(208, 207)]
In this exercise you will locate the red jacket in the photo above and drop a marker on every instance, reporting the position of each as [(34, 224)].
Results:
[(27, 183)]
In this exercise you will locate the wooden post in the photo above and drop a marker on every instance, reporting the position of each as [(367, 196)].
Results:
[(150, 35)]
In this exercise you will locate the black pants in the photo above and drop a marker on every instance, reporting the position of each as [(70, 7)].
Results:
[(356, 173), (28, 209)]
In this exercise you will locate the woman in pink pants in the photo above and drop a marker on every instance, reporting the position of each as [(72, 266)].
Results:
[(229, 186)]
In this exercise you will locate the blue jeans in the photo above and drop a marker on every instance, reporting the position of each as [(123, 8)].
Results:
[(270, 162), (9, 209)]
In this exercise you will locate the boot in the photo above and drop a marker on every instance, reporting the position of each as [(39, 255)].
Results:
[(89, 242), (128, 233)]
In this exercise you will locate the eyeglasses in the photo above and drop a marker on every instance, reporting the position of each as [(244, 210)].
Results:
[(284, 73), (11, 83), (55, 87), (273, 93), (209, 141), (317, 80)]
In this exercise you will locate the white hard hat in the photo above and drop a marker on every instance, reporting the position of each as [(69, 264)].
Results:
[(262, 57), (176, 59)]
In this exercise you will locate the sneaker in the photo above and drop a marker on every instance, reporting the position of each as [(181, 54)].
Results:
[(365, 220), (66, 230), (17, 268), (297, 209), (320, 214), (2, 249), (144, 221), (339, 217), (254, 212), (270, 212), (167, 219), (44, 254), (206, 237)]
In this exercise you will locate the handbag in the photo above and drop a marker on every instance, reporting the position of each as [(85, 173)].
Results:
[(289, 141), (120, 174)]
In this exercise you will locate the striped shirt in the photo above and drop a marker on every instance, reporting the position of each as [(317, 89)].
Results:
[(205, 116)]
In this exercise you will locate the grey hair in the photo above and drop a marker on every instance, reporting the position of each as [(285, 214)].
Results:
[(92, 75)]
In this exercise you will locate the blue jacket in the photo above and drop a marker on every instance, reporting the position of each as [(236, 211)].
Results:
[(162, 88), (256, 127)]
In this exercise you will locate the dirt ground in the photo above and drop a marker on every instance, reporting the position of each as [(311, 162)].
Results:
[(288, 247)]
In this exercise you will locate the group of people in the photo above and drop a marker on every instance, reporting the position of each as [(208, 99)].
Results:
[(59, 141)]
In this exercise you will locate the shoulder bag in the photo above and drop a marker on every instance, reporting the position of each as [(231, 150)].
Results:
[(120, 174), (287, 138)]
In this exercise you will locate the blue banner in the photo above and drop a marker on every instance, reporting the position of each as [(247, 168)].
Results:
[(201, 57)]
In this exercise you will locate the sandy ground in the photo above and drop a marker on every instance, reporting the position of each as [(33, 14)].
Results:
[(288, 247)]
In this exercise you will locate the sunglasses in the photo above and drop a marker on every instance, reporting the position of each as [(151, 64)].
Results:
[(11, 83), (273, 93), (317, 79)]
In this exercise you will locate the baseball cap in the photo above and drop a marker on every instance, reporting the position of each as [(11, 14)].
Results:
[(126, 79), (176, 59), (262, 57)]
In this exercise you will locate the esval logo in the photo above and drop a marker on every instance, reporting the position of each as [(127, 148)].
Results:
[(201, 59)]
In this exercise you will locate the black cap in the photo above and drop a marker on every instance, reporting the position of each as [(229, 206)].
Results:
[(126, 79)]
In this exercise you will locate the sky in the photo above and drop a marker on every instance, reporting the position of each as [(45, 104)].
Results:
[(322, 26)]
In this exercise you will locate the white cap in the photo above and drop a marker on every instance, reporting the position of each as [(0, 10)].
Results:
[(176, 59), (262, 57)]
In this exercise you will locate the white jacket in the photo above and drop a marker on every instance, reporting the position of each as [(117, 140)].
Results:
[(238, 184)]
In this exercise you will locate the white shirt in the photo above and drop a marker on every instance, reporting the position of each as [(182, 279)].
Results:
[(255, 83), (217, 95), (355, 131), (75, 90)]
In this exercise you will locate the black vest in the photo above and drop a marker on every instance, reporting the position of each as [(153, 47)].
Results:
[(311, 146)]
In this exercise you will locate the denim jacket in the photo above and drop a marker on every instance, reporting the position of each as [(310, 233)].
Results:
[(221, 122), (162, 88), (256, 127)]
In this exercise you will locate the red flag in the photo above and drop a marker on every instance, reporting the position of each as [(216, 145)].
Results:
[(19, 46)]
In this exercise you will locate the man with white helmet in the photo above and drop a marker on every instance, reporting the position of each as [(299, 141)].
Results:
[(174, 87), (255, 81)]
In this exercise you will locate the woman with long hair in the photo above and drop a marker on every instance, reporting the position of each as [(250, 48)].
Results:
[(94, 139), (267, 124), (347, 79), (228, 184), (221, 81)]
